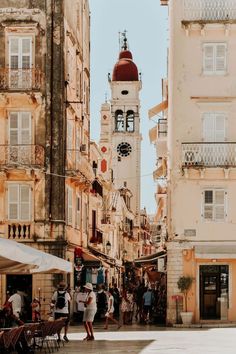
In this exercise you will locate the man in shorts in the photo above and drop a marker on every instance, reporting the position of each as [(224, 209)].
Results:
[(61, 301)]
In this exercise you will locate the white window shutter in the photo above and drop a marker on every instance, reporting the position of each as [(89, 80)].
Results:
[(220, 58), (208, 127), (220, 127), (25, 138), (208, 58), (69, 138), (14, 52), (13, 202), (69, 206), (219, 205), (25, 205), (13, 128)]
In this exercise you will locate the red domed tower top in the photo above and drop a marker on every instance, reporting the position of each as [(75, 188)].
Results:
[(125, 69)]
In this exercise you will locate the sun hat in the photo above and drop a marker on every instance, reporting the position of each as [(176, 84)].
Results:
[(88, 286)]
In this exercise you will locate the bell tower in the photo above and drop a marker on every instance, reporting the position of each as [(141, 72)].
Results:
[(125, 126)]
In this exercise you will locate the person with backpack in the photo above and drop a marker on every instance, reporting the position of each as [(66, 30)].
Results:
[(61, 300)]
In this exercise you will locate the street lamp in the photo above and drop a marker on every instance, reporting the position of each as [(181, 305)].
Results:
[(108, 246)]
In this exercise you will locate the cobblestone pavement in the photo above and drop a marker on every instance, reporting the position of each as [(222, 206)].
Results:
[(137, 339)]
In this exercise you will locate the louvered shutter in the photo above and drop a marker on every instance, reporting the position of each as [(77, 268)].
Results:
[(219, 127), (208, 127), (220, 58), (208, 205), (14, 52), (78, 212), (13, 202), (69, 138), (25, 193), (69, 206), (26, 53), (13, 128), (25, 136), (208, 58), (219, 205)]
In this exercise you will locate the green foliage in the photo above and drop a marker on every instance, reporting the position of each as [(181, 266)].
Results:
[(184, 283)]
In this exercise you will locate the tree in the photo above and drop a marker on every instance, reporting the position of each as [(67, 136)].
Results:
[(184, 284)]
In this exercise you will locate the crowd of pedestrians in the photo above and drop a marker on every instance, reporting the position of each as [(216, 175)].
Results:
[(142, 304)]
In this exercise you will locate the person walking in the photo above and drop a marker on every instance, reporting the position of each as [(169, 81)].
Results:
[(147, 304), (90, 310), (61, 301), (16, 304), (110, 310)]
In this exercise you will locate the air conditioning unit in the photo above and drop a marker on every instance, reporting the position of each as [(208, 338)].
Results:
[(83, 148)]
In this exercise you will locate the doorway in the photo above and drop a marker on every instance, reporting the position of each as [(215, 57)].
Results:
[(214, 292), (22, 283)]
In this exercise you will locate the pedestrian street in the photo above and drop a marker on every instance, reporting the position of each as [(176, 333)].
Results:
[(137, 339)]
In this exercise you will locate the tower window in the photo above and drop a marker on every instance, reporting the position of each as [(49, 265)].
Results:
[(119, 121), (124, 92), (130, 121)]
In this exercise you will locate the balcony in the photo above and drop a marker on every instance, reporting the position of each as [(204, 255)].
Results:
[(97, 236), (78, 164), (162, 128), (209, 10), (20, 79), (22, 155), (19, 231), (209, 155)]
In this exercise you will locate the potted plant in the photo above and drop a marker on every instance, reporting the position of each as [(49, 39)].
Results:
[(184, 284)]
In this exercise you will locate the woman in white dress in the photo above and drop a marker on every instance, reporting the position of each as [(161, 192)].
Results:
[(110, 310), (90, 310)]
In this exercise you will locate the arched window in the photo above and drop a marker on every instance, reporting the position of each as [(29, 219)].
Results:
[(130, 121), (119, 121)]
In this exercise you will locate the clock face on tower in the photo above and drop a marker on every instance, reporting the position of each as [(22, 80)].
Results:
[(124, 149)]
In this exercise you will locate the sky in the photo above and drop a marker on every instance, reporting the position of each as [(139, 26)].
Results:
[(146, 23)]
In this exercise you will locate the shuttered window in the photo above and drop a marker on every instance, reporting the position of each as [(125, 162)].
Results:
[(77, 216), (214, 205), (69, 139), (20, 52), (19, 202), (214, 58), (20, 128), (214, 126), (69, 206)]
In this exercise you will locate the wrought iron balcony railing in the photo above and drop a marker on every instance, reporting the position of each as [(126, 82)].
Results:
[(20, 79), (19, 231), (25, 155), (209, 10), (209, 154)]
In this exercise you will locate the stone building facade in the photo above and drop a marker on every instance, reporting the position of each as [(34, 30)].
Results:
[(201, 157), (45, 174)]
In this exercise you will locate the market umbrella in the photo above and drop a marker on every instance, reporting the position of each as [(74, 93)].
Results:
[(17, 258)]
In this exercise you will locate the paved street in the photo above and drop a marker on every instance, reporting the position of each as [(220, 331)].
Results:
[(153, 340)]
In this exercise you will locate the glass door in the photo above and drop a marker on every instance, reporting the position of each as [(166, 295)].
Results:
[(214, 292)]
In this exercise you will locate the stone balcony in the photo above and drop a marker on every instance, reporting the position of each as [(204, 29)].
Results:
[(22, 155), (209, 155), (209, 11), (20, 79), (19, 231)]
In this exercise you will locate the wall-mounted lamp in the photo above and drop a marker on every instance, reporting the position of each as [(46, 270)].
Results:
[(108, 246)]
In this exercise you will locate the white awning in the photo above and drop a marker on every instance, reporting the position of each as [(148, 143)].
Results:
[(17, 258)]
